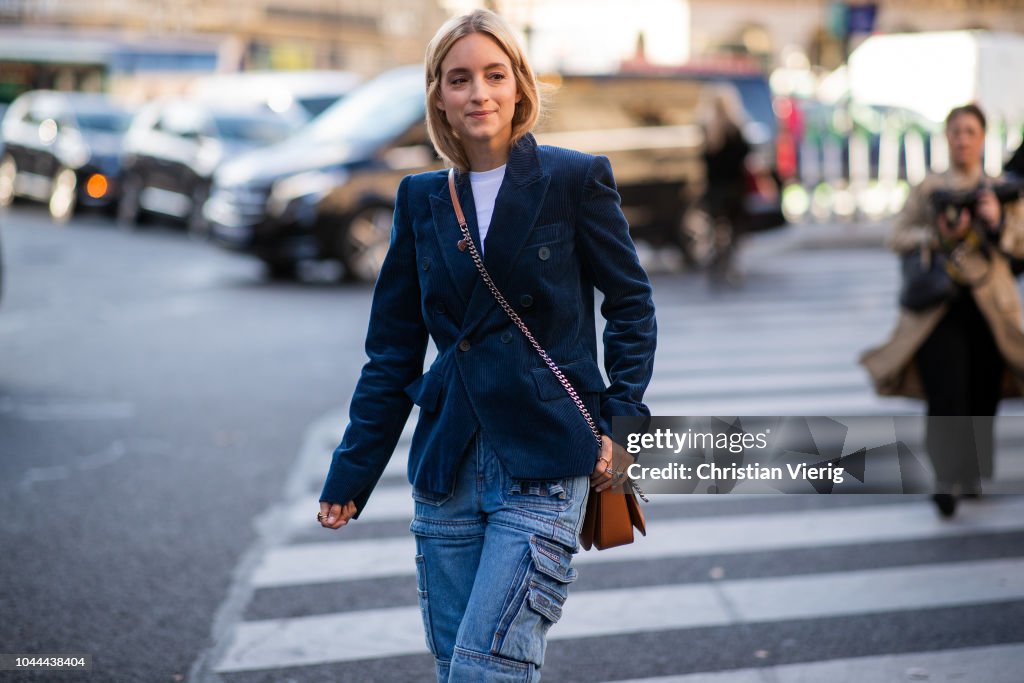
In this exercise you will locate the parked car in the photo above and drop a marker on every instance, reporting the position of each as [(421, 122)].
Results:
[(173, 147), (297, 95), (327, 192), (267, 202), (62, 148)]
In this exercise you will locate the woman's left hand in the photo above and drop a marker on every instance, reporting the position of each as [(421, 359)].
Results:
[(988, 209), (610, 469)]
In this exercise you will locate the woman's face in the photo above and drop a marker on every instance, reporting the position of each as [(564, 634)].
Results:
[(478, 91), (966, 140)]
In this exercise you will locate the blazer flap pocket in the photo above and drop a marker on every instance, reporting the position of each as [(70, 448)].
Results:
[(425, 391), (583, 375), (545, 234)]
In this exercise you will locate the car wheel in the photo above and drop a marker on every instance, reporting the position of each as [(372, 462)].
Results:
[(364, 242), (63, 195), (697, 237), (128, 213), (281, 270), (8, 173)]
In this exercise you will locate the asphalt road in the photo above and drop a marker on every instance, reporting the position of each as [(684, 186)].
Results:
[(153, 393)]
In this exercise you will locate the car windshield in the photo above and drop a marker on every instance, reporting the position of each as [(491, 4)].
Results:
[(373, 113), (317, 104), (251, 128), (112, 121), (757, 101)]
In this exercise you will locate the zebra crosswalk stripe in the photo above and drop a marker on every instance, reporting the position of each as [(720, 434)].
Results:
[(332, 561), (993, 664), (398, 631)]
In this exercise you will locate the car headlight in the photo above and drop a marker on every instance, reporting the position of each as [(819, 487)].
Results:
[(311, 185), (72, 150)]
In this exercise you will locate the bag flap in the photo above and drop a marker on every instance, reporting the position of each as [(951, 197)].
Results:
[(636, 515), (612, 523)]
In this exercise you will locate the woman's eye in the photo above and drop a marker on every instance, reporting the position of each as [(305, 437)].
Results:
[(458, 81), (498, 77)]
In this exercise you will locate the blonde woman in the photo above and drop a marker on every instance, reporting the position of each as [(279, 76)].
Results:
[(502, 459), (726, 151)]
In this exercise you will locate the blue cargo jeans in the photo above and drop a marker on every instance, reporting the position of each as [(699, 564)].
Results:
[(493, 567)]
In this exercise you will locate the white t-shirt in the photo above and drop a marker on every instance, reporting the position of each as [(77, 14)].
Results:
[(485, 189)]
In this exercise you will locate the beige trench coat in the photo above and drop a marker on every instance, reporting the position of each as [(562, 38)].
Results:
[(891, 365)]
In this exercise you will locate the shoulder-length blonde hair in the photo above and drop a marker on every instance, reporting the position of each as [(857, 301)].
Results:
[(445, 141), (720, 109)]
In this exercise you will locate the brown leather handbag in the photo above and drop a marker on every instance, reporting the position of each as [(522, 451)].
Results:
[(610, 518), (611, 514)]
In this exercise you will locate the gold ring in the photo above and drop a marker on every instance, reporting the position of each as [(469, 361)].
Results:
[(319, 516)]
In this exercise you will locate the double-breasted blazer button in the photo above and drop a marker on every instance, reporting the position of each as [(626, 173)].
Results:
[(506, 337), (439, 308), (526, 300), (543, 253), (425, 263), (464, 345)]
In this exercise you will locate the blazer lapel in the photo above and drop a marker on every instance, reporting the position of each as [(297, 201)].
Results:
[(516, 208), (446, 227)]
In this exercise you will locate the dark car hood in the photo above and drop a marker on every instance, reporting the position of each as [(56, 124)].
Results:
[(263, 166)]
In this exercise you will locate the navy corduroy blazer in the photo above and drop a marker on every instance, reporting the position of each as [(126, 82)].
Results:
[(557, 232)]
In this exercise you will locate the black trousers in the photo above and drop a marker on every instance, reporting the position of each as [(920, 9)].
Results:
[(725, 207), (961, 369)]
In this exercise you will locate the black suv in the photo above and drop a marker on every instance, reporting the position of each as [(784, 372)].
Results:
[(173, 148), (267, 202), (62, 148)]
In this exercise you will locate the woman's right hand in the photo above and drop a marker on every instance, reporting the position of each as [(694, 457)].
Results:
[(957, 232), (335, 516), (611, 465)]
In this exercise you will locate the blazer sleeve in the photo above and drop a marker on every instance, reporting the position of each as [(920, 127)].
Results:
[(609, 257), (396, 343)]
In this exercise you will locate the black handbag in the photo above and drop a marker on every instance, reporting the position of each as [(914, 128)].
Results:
[(926, 280)]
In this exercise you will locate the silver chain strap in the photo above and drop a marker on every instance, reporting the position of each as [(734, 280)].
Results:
[(467, 243)]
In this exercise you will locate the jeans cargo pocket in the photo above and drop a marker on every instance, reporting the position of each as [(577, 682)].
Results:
[(421, 591), (536, 605)]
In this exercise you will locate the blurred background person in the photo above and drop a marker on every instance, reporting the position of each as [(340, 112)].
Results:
[(721, 117), (966, 352)]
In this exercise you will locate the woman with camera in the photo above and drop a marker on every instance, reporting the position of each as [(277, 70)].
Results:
[(964, 351)]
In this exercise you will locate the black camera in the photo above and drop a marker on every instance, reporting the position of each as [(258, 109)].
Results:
[(950, 203)]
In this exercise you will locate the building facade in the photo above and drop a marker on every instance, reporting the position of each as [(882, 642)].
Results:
[(817, 27), (135, 39)]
